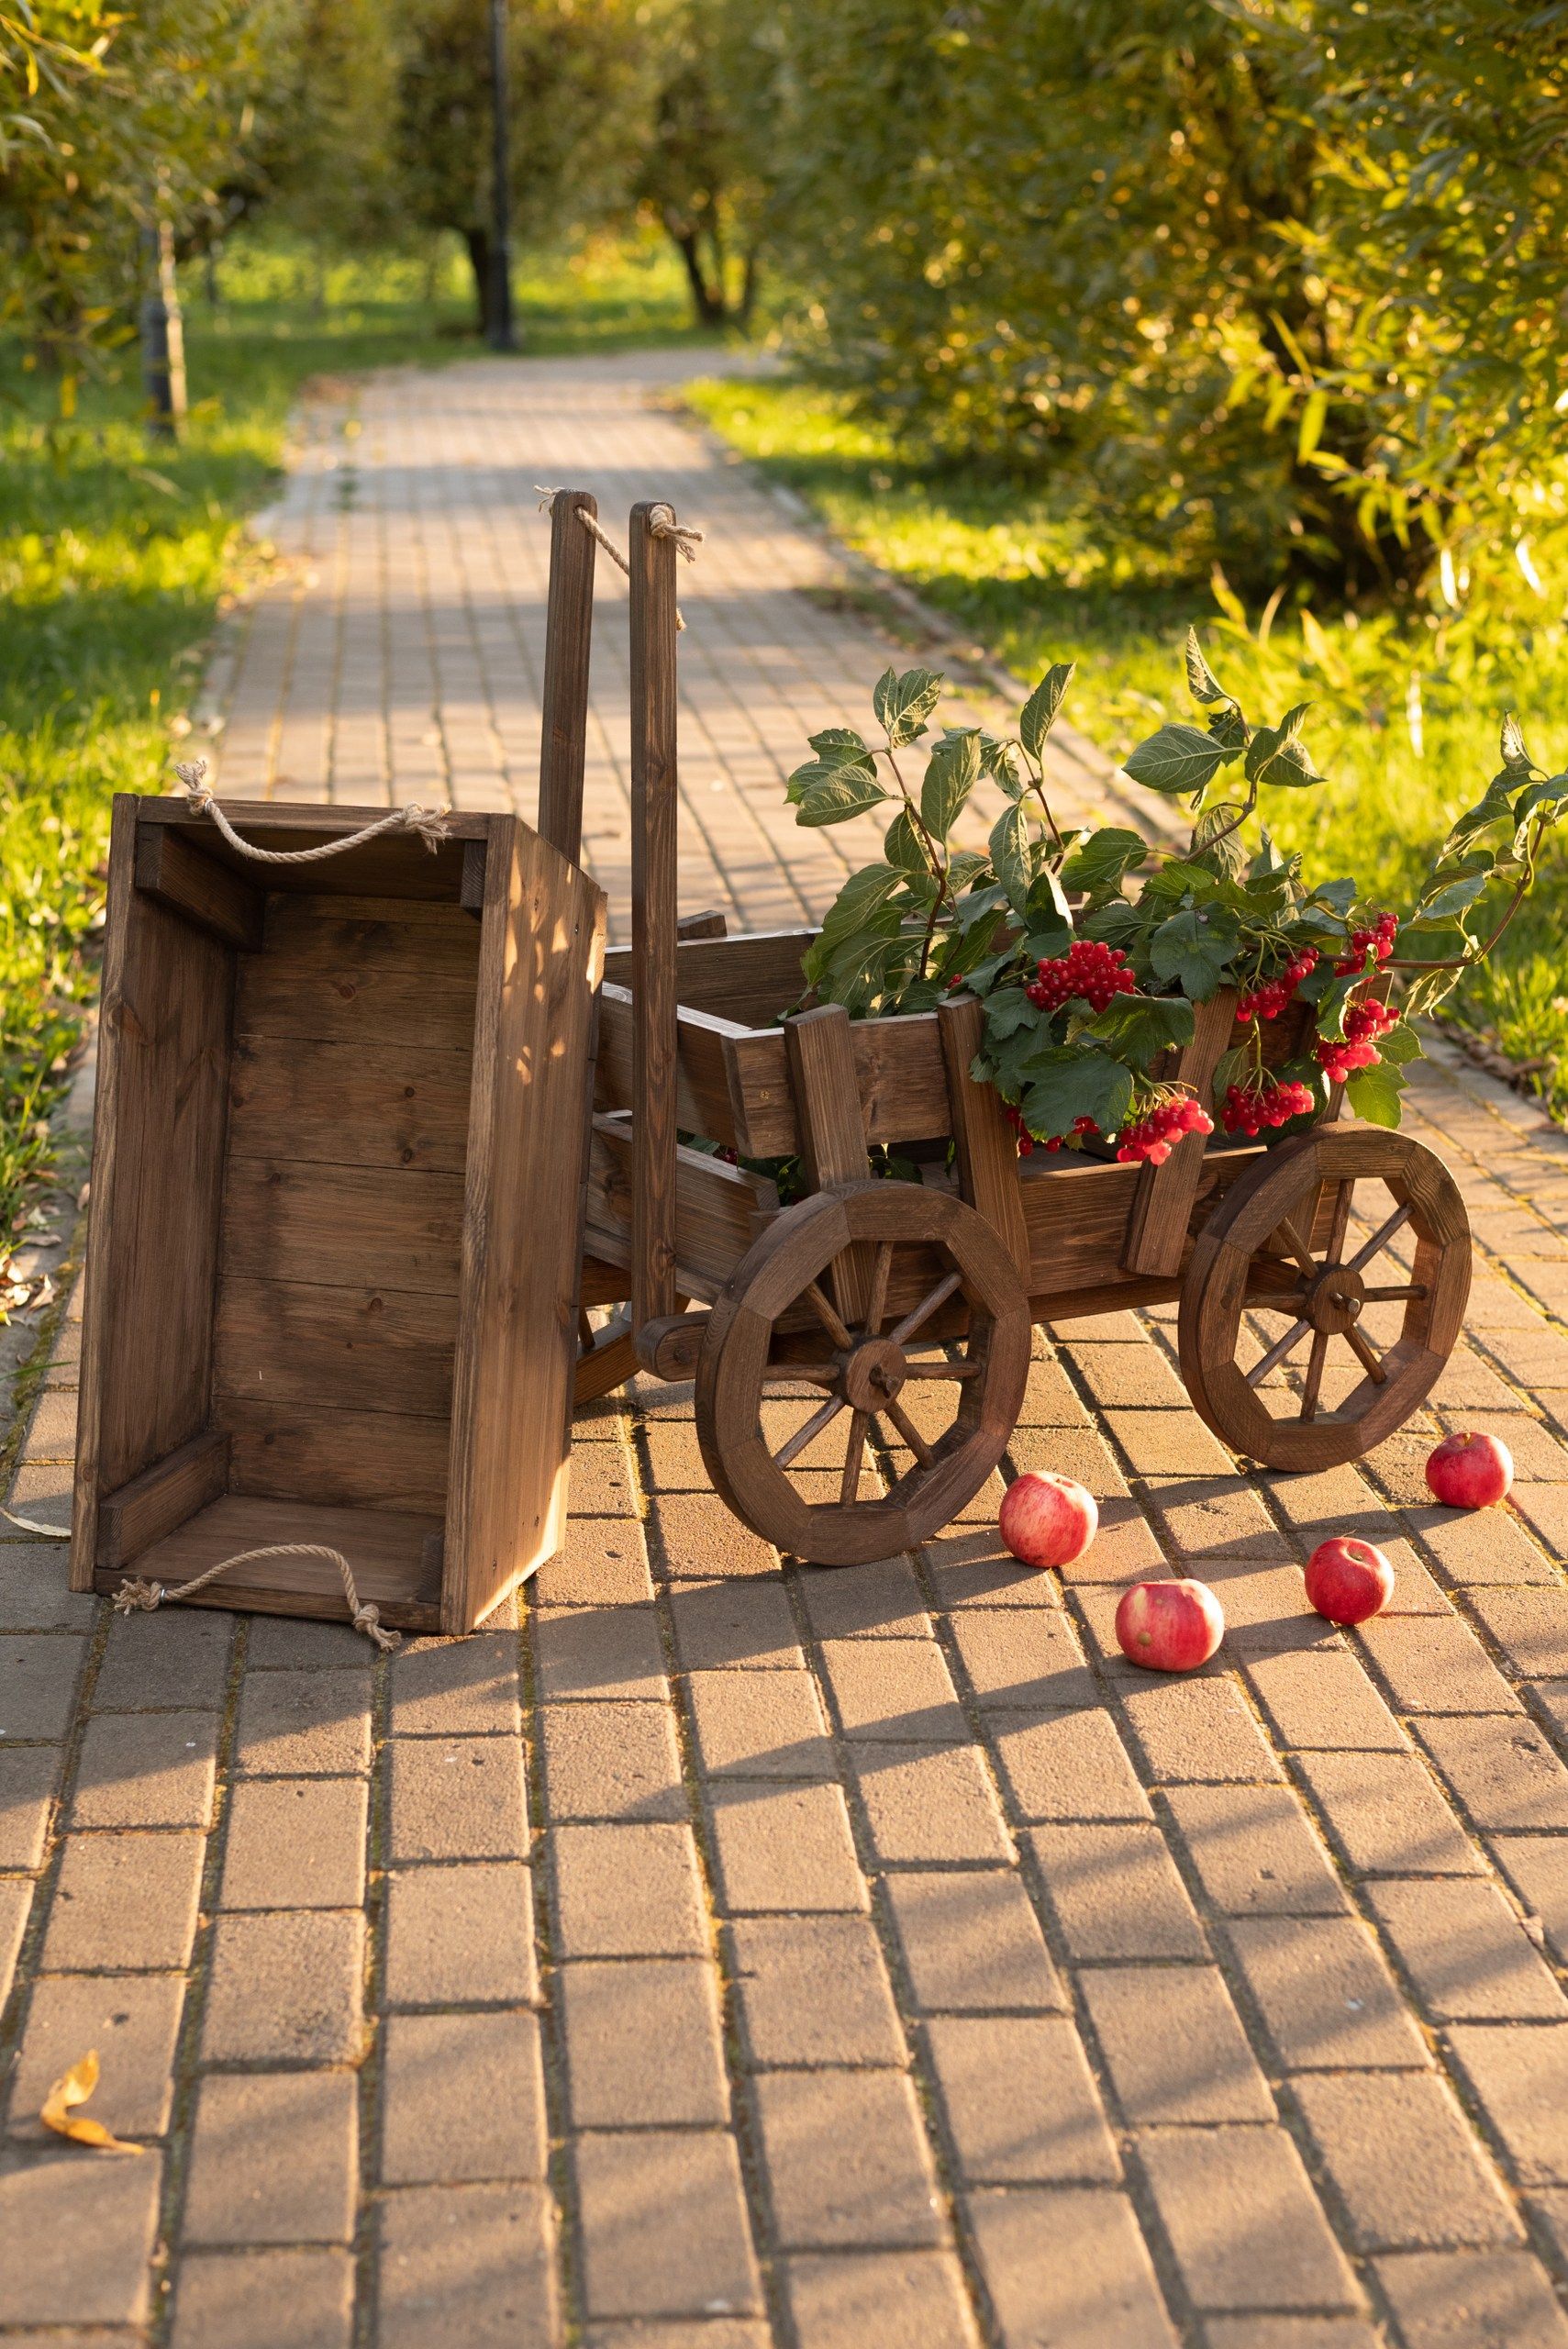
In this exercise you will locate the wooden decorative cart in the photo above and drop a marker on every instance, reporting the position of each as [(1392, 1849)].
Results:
[(907, 1310)]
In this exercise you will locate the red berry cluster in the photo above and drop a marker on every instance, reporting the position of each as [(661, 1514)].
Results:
[(1267, 1101), (1268, 1000), (1370, 949), (1364, 1023), (1161, 1126), (1080, 1126), (1089, 971)]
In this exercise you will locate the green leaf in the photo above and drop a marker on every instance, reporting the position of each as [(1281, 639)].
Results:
[(965, 869), (1136, 1027), (1177, 760), (849, 793), (1193, 948), (1400, 1045), (1332, 1002), (1494, 809), (1549, 796), (1202, 682), (997, 760), (1070, 1083), (1233, 1068), (839, 746), (1516, 760), (902, 846), (951, 775), (1103, 860), (1229, 730), (818, 772), (1009, 847), (1010, 1012), (1047, 910), (1039, 713), (1374, 1093), (864, 895), (1218, 842), (1274, 754), (904, 702)]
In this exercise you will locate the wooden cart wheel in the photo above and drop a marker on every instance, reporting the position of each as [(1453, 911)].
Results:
[(1277, 1244), (865, 1277)]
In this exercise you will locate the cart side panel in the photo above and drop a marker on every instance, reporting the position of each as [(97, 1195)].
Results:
[(719, 1210)]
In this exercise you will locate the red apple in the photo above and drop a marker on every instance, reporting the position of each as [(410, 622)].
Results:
[(1048, 1520), (1169, 1626), (1348, 1580), (1470, 1471)]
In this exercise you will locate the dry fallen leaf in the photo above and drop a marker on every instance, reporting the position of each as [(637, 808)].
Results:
[(72, 2088)]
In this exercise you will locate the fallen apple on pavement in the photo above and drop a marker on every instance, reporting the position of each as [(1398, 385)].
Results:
[(1046, 1519), (1348, 1581), (1169, 1626), (1469, 1471)]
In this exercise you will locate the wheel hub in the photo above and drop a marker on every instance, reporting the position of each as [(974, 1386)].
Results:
[(1335, 1299), (874, 1374)]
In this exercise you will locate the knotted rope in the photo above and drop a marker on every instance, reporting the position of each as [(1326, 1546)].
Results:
[(662, 522), (431, 824), (136, 1594)]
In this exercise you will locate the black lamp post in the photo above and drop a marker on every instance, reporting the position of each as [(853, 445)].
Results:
[(501, 335)]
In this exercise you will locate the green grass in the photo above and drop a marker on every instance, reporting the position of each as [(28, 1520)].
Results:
[(1032, 575), (118, 554)]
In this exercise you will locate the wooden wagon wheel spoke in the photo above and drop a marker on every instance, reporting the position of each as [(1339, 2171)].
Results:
[(850, 1483), (910, 1433), (926, 1306), (1380, 1240), (1276, 1353), (1399, 1295), (1298, 1247), (877, 1304), (809, 1374), (1274, 1300), (1315, 1362), (809, 1430), (942, 1370), (1366, 1355), (827, 1312)]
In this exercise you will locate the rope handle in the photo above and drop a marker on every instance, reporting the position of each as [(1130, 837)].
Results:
[(662, 522), (134, 1595), (432, 824)]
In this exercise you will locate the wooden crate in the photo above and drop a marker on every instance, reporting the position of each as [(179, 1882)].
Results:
[(337, 1210)]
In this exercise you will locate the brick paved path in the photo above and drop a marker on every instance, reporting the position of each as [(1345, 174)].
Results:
[(720, 1955)]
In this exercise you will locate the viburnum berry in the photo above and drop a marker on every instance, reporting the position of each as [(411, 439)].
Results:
[(1265, 1101), (1364, 1023), (1089, 971), (1025, 1140), (1163, 1123), (1268, 999), (1369, 949)]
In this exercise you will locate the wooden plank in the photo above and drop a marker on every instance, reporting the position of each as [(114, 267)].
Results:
[(1162, 1204), (541, 957), (162, 1499), (1125, 1296), (987, 1146), (718, 1209), (339, 934), (832, 1132), (157, 1185), (471, 892), (361, 1104), (703, 1103), (568, 638), (361, 980), (754, 977), (397, 864), (284, 1343), (380, 1460), (182, 876), (655, 810), (346, 1227), (387, 1553), (709, 923)]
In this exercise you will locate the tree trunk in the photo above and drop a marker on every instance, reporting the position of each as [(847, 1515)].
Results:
[(478, 243), (707, 303), (748, 302)]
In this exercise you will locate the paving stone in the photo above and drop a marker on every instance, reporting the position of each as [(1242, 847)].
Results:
[(1289, 2332), (1386, 1815), (296, 1843), (145, 1770), (1405, 2162), (1321, 1699), (456, 1687), (1462, 1947), (684, 2333), (1105, 2297), (698, 1537), (457, 1798), (1491, 2299), (612, 1761), (132, 2021), (1174, 2045), (38, 1672), (881, 1601), (1245, 2227), (846, 2160), (123, 1901), (16, 1904), (627, 1891), (1254, 1850), (1195, 1730), (878, 2299), (1519, 2078), (1022, 2107), (462, 2099), (760, 1729), (1479, 1547), (1328, 2000), (1114, 1892), (1504, 1771), (664, 2228), (643, 2042), (469, 2264), (242, 2301), (782, 1847), (461, 1936), (1167, 1443), (1538, 1867), (893, 1688), (28, 1777), (179, 1661), (274, 2158), (928, 1802), (303, 1724), (285, 1643), (972, 1944), (1436, 1664), (33, 1593), (1029, 1660), (1529, 1626), (1210, 1519), (1548, 2212), (1065, 1765), (743, 1623), (53, 2206), (604, 1562), (814, 1990), (285, 1989), (598, 1651)]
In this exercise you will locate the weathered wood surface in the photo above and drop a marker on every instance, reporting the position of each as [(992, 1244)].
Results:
[(718, 1209), (388, 1553), (654, 815), (162, 1498), (987, 1146), (1157, 1228), (181, 875), (821, 1046), (568, 644), (362, 1105)]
